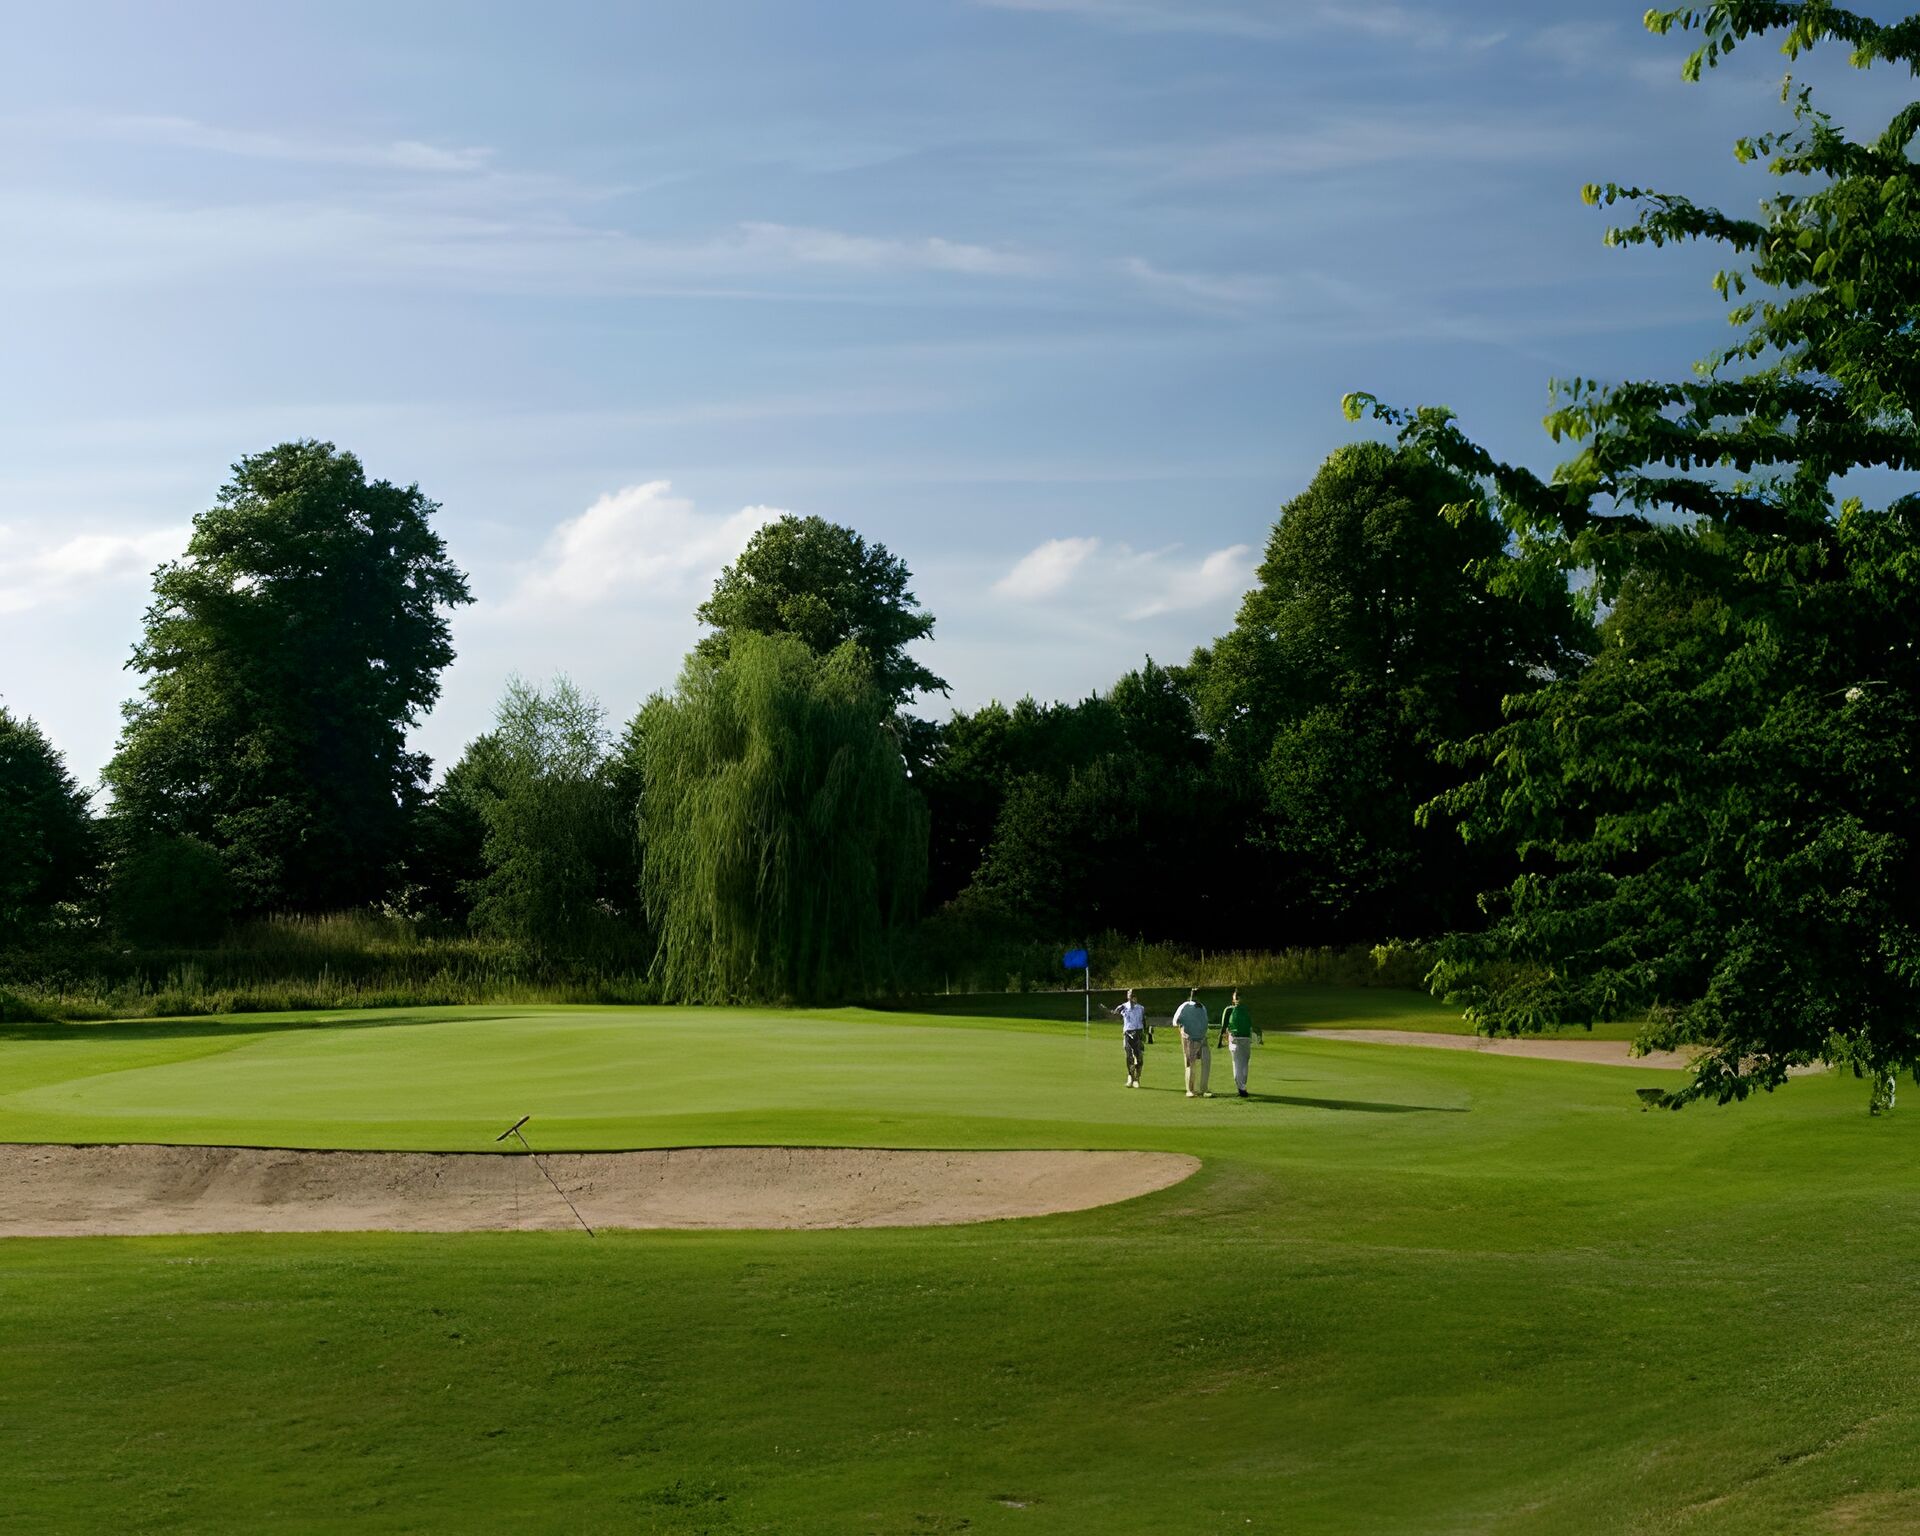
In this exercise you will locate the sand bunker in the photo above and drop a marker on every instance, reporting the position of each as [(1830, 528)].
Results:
[(1611, 1053), (67, 1191)]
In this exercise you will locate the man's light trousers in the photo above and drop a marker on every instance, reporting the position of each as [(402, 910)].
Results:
[(1199, 1063), (1242, 1049)]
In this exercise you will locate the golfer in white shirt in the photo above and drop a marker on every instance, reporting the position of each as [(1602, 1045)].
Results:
[(1133, 1031)]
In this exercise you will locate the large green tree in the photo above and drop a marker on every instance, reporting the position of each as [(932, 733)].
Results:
[(1375, 636), (783, 843), (47, 843), (976, 759), (1721, 815), (827, 586), (285, 657), (558, 846), (1064, 821)]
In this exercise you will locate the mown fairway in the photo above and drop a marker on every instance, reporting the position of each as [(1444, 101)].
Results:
[(1410, 1291)]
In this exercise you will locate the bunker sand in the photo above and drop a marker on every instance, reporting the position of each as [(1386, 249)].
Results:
[(1611, 1053), (144, 1190)]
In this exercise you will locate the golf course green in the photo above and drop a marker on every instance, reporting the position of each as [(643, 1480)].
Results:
[(1408, 1291)]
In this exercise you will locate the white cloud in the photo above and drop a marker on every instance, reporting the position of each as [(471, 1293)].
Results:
[(493, 241), (1272, 22), (394, 154), (783, 244), (1149, 16), (32, 576), (1042, 572), (640, 545), (1404, 24), (1208, 288), (1174, 585), (1157, 581), (1424, 144)]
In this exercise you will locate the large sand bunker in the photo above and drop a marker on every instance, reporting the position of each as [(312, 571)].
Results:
[(68, 1191)]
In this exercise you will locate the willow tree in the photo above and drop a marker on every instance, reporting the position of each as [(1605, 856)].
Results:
[(783, 844), (1720, 812)]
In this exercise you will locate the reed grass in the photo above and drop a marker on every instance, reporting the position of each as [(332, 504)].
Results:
[(348, 960), (336, 960)]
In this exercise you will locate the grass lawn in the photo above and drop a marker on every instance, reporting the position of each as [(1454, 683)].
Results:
[(1410, 1291)]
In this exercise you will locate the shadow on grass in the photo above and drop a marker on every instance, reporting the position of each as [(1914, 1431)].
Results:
[(1345, 1106), (1357, 1106), (202, 1027)]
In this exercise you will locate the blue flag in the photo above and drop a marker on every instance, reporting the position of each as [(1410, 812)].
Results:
[(1074, 960)]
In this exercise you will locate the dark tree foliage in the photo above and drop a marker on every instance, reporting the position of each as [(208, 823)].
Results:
[(47, 842), (1373, 638), (1722, 811), (446, 853), (975, 763), (823, 583), (170, 889), (1123, 845), (1110, 815), (286, 656), (977, 758)]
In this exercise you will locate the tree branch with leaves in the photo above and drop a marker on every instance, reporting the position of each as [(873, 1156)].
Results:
[(1719, 818)]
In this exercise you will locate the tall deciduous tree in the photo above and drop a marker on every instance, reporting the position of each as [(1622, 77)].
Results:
[(558, 848), (47, 843), (783, 843), (1721, 810), (1068, 820), (827, 586), (285, 656), (1373, 638)]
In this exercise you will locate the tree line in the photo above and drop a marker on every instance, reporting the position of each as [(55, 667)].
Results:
[(773, 823), (1632, 739)]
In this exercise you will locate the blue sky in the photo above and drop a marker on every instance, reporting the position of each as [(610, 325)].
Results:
[(1057, 298)]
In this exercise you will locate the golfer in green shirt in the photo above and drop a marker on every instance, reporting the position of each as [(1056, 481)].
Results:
[(1237, 1034)]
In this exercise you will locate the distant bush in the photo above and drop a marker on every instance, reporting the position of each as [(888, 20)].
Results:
[(170, 890)]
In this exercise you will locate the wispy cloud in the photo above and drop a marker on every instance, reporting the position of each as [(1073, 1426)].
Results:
[(1159, 580), (1043, 571), (789, 243), (1418, 26), (1149, 16), (492, 245), (1277, 21), (191, 134), (1174, 585), (1577, 45), (641, 545), (34, 574), (1398, 139), (1208, 289)]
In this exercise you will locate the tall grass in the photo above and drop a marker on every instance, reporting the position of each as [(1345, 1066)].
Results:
[(340, 960), (370, 960), (962, 961)]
